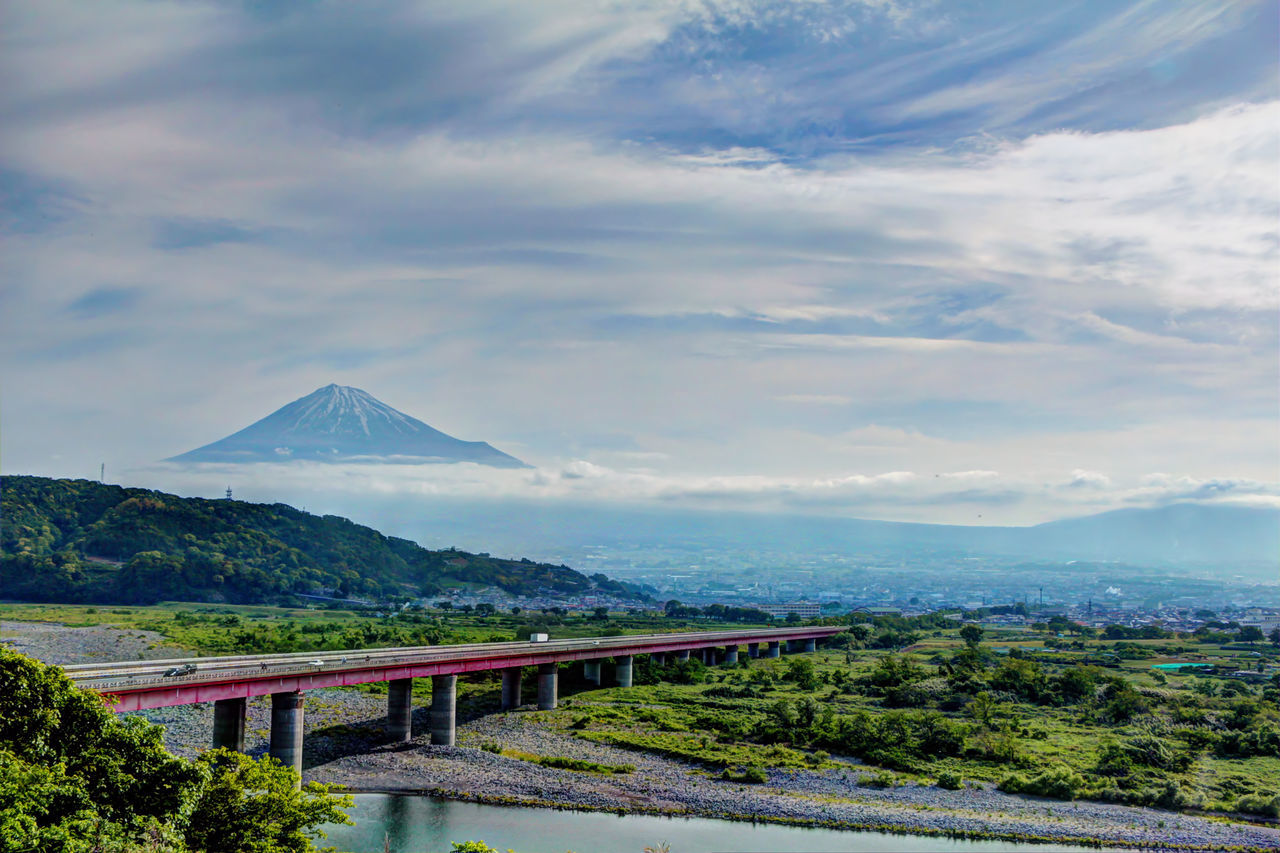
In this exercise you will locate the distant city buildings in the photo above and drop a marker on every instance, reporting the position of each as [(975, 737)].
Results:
[(1258, 618), (803, 609)]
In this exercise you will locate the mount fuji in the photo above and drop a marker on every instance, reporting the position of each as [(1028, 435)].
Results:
[(338, 423)]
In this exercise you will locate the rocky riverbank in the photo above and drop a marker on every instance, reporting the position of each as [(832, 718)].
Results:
[(61, 644)]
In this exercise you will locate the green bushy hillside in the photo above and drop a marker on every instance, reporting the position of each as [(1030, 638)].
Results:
[(83, 541)]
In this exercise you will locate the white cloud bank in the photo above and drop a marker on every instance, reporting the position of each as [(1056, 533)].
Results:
[(961, 497)]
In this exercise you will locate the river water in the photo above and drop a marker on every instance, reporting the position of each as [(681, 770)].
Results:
[(415, 824)]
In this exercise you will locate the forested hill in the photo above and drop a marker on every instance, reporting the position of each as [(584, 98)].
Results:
[(83, 541)]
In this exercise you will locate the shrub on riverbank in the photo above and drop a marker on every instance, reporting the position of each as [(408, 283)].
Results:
[(752, 775), (560, 762), (1059, 782), (582, 766), (950, 780), (1261, 804), (1063, 783)]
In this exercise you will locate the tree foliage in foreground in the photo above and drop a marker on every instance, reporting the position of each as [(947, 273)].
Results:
[(75, 777)]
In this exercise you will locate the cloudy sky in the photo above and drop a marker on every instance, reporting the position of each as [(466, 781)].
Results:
[(884, 258)]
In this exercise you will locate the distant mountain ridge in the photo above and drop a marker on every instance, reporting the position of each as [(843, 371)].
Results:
[(80, 540), (1176, 533), (338, 423), (1225, 536)]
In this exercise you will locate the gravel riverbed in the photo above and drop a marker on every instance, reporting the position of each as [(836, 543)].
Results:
[(345, 744), (60, 644)]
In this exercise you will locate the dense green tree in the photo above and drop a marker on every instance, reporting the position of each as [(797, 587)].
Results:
[(1122, 702), (43, 809), (982, 708), (1144, 632), (860, 633), (1022, 678), (1251, 634), (892, 671), (803, 673), (275, 818), (120, 765), (75, 777)]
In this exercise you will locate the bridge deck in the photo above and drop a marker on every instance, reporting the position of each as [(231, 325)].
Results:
[(144, 684)]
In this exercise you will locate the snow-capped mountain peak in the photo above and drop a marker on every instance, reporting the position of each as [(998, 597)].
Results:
[(339, 408), (342, 423)]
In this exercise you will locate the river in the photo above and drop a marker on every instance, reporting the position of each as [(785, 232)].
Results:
[(416, 824)]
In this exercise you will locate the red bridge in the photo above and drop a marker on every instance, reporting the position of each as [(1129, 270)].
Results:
[(228, 682)]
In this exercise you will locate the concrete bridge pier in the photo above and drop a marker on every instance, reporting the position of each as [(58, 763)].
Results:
[(658, 659), (511, 684), (753, 650), (591, 671), (548, 678), (286, 731), (228, 724), (774, 650), (622, 670), (811, 645), (400, 710), (683, 654), (730, 656), (444, 693), (709, 656)]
